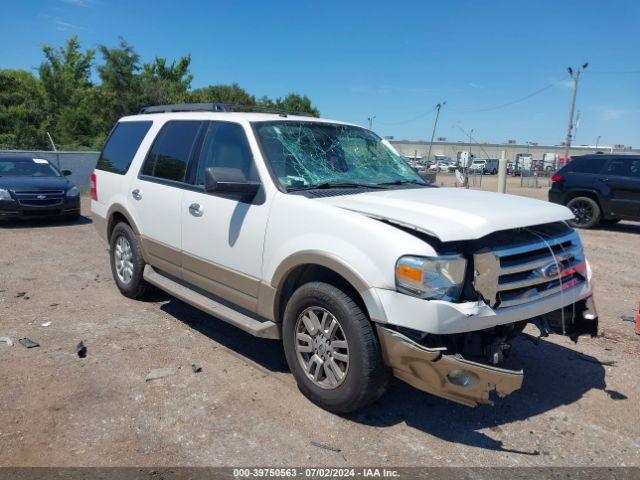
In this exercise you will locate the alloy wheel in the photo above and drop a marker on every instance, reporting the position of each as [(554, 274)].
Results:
[(123, 258), (321, 347)]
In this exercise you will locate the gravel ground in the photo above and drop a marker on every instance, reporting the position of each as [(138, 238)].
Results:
[(578, 405)]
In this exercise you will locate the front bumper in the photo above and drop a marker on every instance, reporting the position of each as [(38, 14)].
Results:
[(10, 209), (448, 376)]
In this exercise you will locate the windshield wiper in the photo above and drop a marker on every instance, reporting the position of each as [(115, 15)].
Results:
[(404, 182), (326, 185)]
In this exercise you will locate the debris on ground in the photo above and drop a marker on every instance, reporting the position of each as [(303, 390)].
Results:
[(324, 446), (628, 318), (6, 340), (46, 324), (158, 373), (26, 342), (196, 368), (81, 349), (22, 295)]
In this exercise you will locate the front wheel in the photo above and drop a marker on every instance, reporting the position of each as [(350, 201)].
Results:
[(332, 350), (586, 210)]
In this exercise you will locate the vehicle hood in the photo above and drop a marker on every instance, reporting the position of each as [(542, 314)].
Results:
[(35, 183), (452, 214)]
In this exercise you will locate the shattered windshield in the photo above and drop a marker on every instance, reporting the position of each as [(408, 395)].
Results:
[(310, 154)]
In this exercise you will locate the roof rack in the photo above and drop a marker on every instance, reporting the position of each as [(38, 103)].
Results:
[(216, 107)]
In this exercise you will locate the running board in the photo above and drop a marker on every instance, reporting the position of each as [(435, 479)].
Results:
[(266, 329)]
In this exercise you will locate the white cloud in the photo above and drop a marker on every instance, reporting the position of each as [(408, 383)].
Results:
[(67, 27), (611, 114)]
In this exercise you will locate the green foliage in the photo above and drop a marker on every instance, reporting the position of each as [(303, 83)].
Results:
[(64, 101)]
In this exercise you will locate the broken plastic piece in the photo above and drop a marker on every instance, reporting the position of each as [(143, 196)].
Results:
[(6, 340), (196, 368), (26, 342), (81, 349), (157, 373)]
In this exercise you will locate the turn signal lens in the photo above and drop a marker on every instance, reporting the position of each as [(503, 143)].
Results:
[(408, 272)]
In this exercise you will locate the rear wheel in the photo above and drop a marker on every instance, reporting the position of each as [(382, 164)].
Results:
[(586, 210), (127, 264), (332, 349)]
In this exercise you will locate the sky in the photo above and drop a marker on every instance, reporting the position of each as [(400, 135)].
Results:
[(499, 65)]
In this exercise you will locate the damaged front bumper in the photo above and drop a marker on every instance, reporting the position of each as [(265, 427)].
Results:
[(448, 376)]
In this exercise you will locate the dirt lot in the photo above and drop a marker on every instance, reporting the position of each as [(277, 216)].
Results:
[(578, 405)]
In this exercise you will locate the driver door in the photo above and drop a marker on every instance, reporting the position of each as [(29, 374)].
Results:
[(223, 235)]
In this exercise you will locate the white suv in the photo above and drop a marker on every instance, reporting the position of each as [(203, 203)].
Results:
[(317, 232)]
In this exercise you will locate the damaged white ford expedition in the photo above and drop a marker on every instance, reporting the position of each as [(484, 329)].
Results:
[(317, 233)]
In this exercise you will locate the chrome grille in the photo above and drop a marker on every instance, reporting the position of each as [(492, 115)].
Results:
[(40, 198), (543, 266)]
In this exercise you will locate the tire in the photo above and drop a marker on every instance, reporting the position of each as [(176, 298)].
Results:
[(365, 376), (586, 210), (130, 284), (609, 221)]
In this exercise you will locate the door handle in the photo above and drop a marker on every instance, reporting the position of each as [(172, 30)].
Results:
[(196, 210), (136, 194)]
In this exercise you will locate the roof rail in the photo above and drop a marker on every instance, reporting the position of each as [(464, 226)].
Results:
[(217, 107)]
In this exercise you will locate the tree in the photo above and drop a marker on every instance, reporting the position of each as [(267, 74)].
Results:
[(22, 113), (222, 93), (162, 83)]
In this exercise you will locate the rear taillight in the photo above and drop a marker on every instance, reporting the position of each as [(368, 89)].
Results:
[(93, 185), (556, 178)]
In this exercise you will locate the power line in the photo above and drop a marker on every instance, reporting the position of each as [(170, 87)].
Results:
[(513, 102)]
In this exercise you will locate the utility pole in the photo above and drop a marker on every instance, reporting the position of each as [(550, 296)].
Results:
[(435, 125), (598, 140), (467, 162), (371, 118), (576, 78)]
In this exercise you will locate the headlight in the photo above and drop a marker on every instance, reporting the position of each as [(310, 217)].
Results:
[(73, 192), (4, 194), (432, 278)]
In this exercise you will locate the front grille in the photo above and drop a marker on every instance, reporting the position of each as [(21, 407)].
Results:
[(538, 265), (40, 198)]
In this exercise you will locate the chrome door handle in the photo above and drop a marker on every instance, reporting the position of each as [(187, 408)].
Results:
[(137, 194), (196, 210)]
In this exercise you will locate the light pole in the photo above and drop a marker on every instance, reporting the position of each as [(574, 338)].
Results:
[(435, 125), (467, 162), (598, 140), (371, 119), (576, 78)]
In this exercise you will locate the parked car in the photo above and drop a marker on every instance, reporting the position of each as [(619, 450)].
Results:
[(484, 166), (33, 187), (599, 189), (440, 167), (314, 232)]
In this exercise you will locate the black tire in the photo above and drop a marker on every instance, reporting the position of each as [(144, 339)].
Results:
[(367, 377), (586, 210), (609, 221), (136, 287)]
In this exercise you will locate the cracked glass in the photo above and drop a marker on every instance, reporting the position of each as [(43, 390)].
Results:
[(308, 154)]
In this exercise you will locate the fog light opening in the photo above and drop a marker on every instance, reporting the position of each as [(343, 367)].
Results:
[(462, 378)]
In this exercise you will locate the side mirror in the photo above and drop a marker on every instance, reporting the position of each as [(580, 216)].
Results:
[(229, 181), (66, 173)]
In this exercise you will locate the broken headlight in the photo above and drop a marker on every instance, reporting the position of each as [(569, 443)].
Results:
[(431, 278), (4, 194)]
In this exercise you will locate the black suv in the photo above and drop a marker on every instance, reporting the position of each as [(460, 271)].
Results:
[(32, 187), (599, 189)]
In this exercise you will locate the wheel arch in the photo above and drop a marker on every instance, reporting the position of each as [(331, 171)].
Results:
[(116, 214), (309, 266)]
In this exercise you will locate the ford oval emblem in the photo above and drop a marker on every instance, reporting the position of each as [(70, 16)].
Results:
[(551, 270), (41, 197)]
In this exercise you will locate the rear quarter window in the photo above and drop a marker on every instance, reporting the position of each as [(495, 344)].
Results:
[(587, 165), (122, 145)]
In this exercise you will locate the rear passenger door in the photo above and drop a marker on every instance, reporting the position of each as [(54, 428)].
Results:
[(223, 235), (622, 178), (156, 193)]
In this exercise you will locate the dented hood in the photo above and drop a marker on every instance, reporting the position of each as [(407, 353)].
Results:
[(452, 214)]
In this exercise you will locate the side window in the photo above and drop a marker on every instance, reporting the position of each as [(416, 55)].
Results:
[(226, 146), (121, 146), (620, 167), (169, 156), (587, 165)]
